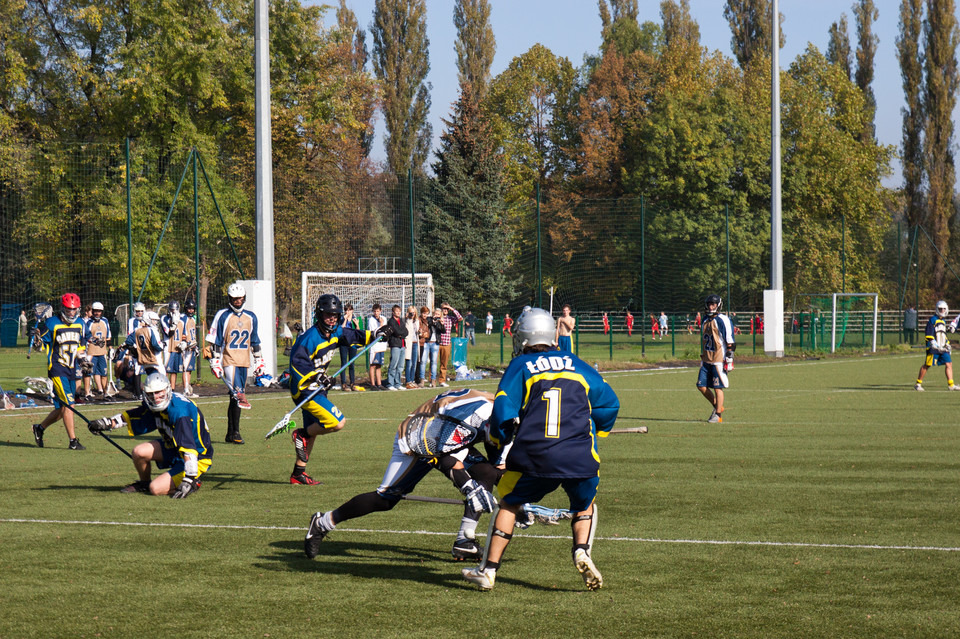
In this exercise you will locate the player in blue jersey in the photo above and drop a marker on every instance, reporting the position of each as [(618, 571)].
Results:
[(64, 339), (138, 320), (310, 356), (716, 355), (190, 345), (184, 450), (552, 406), (938, 346)]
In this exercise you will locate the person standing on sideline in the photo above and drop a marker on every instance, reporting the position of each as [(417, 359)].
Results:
[(431, 348), (375, 322), (98, 340), (716, 355), (938, 346), (412, 346), (507, 325), (629, 322), (910, 324), (236, 350), (551, 407), (190, 354), (449, 319), (398, 332), (347, 351), (489, 323), (469, 328), (664, 324), (566, 323)]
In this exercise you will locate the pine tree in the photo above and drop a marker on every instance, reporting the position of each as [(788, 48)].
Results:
[(838, 49), (866, 14), (475, 45), (401, 64), (940, 98), (911, 70), (750, 23)]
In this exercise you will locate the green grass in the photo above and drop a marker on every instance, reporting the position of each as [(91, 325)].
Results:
[(825, 505)]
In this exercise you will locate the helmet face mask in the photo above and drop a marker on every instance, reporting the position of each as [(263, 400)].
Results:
[(139, 309), (328, 307), (156, 392), (70, 307), (174, 307), (237, 297), (710, 301), (942, 309), (190, 307), (534, 327), (151, 318)]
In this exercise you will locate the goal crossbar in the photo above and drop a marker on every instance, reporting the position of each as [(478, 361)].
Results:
[(364, 289), (833, 307)]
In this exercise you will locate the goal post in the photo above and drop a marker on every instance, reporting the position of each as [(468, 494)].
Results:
[(833, 331), (846, 310), (363, 290)]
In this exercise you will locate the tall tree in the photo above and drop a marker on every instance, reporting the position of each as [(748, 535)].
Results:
[(475, 45), (401, 63), (348, 25), (678, 25), (750, 23), (940, 98), (838, 49), (867, 43), (911, 70)]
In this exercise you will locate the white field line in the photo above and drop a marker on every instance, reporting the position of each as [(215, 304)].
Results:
[(300, 529)]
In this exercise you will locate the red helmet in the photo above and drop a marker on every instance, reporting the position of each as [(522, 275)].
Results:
[(71, 306)]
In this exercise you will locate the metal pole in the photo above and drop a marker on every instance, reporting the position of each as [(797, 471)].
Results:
[(643, 280), (539, 262), (843, 252), (727, 215), (773, 298), (129, 240), (196, 254), (413, 259)]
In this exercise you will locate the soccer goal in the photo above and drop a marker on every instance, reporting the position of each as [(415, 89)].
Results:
[(363, 290), (847, 319)]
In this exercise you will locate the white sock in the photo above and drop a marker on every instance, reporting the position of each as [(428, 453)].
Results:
[(468, 528), (327, 521)]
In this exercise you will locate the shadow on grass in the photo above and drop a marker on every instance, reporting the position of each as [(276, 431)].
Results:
[(376, 561), (19, 444)]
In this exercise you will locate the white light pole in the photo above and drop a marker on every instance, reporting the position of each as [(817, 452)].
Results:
[(773, 297), (264, 171)]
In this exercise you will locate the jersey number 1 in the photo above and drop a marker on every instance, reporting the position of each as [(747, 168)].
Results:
[(552, 398)]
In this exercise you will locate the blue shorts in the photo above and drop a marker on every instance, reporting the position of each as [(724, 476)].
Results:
[(64, 388), (175, 362), (712, 376), (937, 359), (377, 359), (565, 343), (517, 489), (318, 410), (99, 365), (172, 462), (189, 361)]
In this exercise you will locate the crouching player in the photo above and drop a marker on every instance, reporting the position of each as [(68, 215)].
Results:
[(310, 356), (183, 450), (551, 405)]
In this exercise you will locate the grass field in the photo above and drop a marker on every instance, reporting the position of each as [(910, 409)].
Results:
[(826, 505)]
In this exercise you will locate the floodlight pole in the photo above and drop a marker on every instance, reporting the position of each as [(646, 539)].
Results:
[(264, 171), (773, 297)]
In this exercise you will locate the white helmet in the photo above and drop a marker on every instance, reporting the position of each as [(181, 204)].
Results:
[(942, 309), (97, 306), (157, 383), (139, 308), (151, 317), (236, 292), (534, 327)]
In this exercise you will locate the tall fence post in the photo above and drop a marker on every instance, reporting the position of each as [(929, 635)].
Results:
[(129, 238), (643, 279), (413, 264), (539, 262), (727, 215)]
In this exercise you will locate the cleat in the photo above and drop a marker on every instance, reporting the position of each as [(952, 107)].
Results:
[(336, 387), (315, 534), (300, 444), (234, 439), (484, 578), (715, 418), (139, 486), (464, 548), (591, 576), (76, 445), (918, 387), (954, 387), (242, 401), (444, 385), (304, 479), (38, 435)]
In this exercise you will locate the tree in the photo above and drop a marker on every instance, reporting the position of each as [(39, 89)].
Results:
[(678, 24), (401, 64), (838, 49), (462, 237), (475, 44), (940, 98), (347, 22), (911, 70), (750, 23), (866, 14)]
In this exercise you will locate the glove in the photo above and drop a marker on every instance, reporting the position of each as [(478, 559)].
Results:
[(479, 498), (259, 366), (216, 367), (728, 362), (384, 331), (104, 423), (192, 346), (182, 346), (187, 485), (321, 382)]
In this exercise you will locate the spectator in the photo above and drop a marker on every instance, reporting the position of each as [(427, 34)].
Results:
[(606, 324), (423, 335), (398, 332), (507, 323), (654, 326), (348, 351), (431, 347), (469, 325), (664, 324), (565, 325), (375, 322), (449, 317), (412, 345), (489, 325), (910, 324), (629, 321), (23, 324)]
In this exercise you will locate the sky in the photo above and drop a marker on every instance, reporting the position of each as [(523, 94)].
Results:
[(572, 28)]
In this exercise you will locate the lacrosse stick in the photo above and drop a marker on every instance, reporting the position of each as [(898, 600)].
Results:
[(7, 404), (285, 423), (233, 393), (87, 422), (111, 387), (638, 429), (434, 500), (432, 434)]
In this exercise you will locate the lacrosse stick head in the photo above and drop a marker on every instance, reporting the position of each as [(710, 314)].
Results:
[(432, 434), (282, 426)]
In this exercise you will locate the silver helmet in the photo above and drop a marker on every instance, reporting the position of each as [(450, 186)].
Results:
[(156, 384), (535, 327)]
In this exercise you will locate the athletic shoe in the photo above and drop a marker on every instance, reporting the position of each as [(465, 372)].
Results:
[(715, 418), (300, 444), (304, 479), (315, 534), (234, 439), (412, 385), (242, 401), (347, 388), (336, 387), (918, 387), (76, 445), (464, 548), (591, 576), (954, 387), (38, 434), (139, 486), (484, 578), (444, 385), (394, 388)]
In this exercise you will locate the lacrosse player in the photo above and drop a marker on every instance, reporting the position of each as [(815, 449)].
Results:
[(235, 342), (137, 320), (183, 450), (145, 345), (716, 355), (84, 364), (63, 339), (938, 346), (310, 356), (98, 339), (189, 354), (172, 327), (551, 406), (467, 468)]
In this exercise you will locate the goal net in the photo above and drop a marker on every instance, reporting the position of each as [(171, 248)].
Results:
[(363, 290), (842, 320)]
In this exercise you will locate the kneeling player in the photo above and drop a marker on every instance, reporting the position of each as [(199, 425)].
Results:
[(183, 450)]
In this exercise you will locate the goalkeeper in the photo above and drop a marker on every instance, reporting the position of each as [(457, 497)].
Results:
[(938, 346), (310, 356), (184, 450)]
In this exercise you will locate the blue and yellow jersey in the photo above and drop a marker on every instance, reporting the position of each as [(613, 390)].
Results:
[(145, 345), (63, 342), (936, 333), (236, 335), (312, 346), (563, 405), (715, 333), (181, 426)]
